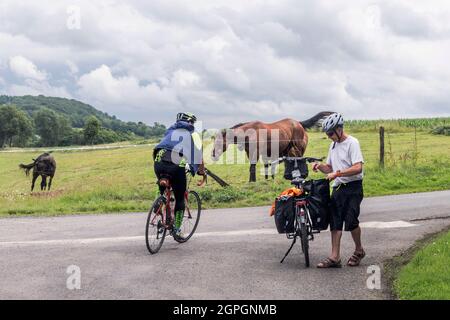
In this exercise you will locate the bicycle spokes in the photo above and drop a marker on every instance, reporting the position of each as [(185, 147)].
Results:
[(189, 216), (157, 213)]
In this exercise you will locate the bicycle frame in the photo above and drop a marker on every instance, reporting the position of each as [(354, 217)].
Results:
[(301, 216), (167, 196)]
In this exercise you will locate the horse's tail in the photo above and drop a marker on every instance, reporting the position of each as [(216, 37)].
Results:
[(317, 119), (26, 167)]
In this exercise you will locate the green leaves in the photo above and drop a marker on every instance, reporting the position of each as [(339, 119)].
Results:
[(91, 129), (51, 127), (15, 126), (77, 112)]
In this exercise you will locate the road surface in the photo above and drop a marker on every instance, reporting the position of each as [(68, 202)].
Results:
[(235, 254)]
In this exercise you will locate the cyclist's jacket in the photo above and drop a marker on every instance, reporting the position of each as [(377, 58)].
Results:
[(180, 145)]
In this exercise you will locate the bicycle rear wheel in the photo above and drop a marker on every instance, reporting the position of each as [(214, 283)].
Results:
[(155, 232), (305, 242), (191, 217)]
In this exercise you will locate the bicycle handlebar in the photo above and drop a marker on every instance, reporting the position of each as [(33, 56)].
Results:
[(307, 159)]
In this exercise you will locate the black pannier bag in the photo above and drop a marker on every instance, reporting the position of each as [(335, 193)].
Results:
[(284, 214), (291, 165), (319, 204)]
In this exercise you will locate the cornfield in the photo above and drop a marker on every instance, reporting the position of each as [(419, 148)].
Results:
[(395, 125)]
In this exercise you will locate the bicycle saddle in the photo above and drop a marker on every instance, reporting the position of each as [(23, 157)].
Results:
[(164, 181)]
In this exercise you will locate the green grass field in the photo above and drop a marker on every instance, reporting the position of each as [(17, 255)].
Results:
[(122, 180), (427, 275)]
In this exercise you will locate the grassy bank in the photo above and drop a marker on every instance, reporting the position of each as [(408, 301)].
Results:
[(118, 180), (427, 274)]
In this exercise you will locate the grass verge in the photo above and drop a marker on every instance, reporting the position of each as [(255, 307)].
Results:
[(122, 179), (423, 271)]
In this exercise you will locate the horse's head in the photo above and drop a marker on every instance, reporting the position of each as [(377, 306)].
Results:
[(220, 145)]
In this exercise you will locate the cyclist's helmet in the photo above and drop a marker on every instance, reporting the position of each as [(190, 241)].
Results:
[(186, 116), (332, 122)]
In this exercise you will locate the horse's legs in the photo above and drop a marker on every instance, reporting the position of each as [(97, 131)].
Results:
[(43, 183), (253, 172), (273, 168), (50, 182), (35, 176), (266, 170)]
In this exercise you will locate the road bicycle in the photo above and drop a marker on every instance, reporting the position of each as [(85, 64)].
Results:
[(161, 217)]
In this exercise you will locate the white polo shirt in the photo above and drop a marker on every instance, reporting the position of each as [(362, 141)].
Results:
[(344, 155)]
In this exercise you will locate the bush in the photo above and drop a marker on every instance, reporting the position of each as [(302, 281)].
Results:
[(444, 130)]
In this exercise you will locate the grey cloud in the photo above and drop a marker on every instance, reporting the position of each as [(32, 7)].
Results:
[(233, 61)]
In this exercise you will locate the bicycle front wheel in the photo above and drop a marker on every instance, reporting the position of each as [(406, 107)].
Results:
[(155, 232), (191, 217)]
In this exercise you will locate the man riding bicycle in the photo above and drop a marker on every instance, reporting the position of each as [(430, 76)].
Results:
[(181, 146)]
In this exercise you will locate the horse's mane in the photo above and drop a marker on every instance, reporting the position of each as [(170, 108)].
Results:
[(239, 125)]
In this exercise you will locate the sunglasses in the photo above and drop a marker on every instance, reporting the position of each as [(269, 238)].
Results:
[(330, 133)]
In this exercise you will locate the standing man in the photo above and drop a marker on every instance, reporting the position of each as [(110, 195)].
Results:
[(344, 166)]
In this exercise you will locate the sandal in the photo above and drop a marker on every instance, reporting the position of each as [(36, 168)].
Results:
[(355, 259), (329, 263)]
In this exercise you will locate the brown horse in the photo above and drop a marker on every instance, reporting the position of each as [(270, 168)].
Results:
[(267, 141), (44, 166)]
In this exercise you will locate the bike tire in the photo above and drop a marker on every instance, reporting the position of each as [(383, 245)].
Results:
[(155, 232), (305, 242), (191, 217)]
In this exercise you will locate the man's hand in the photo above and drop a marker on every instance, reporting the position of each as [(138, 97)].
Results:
[(322, 167), (332, 176), (202, 172), (203, 181), (316, 166)]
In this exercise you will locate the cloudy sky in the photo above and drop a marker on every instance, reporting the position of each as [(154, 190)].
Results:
[(231, 61)]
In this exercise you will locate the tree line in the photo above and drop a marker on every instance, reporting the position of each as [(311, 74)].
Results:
[(45, 128)]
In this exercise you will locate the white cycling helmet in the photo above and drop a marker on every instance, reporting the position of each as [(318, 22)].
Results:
[(332, 122)]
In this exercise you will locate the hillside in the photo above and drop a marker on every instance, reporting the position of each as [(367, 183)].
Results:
[(76, 112)]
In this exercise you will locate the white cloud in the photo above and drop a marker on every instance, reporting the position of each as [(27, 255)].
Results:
[(233, 61), (184, 78), (24, 68), (31, 87), (32, 80), (124, 95), (73, 68)]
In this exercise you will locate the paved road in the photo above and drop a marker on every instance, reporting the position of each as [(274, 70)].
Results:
[(234, 255)]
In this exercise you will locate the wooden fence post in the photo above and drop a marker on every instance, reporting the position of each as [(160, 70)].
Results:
[(382, 147)]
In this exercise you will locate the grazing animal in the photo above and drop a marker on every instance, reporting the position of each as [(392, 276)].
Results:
[(257, 139), (44, 166)]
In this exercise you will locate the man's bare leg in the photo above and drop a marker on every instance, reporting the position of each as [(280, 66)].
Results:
[(336, 245), (356, 235)]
